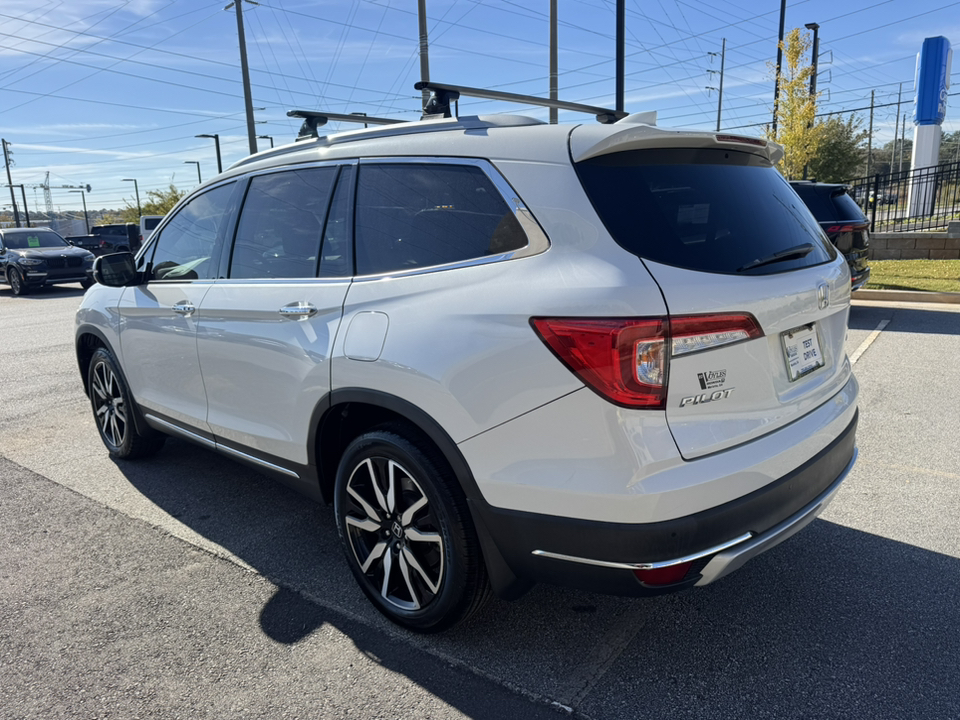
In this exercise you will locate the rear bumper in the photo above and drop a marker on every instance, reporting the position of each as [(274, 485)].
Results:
[(601, 556)]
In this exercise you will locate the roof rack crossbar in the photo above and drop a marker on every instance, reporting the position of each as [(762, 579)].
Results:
[(314, 119), (443, 94)]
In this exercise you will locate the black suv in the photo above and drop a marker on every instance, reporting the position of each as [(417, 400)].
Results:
[(34, 257), (842, 220)]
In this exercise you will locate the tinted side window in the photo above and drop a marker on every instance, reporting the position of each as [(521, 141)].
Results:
[(413, 215), (279, 232), (189, 246)]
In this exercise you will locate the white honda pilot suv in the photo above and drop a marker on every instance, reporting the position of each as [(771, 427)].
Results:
[(506, 352)]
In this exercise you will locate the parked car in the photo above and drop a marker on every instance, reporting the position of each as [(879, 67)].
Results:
[(148, 223), (843, 221), (111, 238), (31, 258), (506, 352)]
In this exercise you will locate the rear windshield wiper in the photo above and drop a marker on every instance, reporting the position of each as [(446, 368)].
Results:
[(798, 251)]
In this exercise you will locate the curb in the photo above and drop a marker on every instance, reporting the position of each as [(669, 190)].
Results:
[(920, 296)]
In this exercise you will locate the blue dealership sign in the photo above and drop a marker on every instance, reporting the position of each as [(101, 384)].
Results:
[(933, 81)]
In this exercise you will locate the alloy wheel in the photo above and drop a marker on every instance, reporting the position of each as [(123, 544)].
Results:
[(110, 410), (393, 533)]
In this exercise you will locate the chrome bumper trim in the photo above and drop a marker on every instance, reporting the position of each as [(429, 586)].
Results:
[(726, 562), (645, 565), (732, 554)]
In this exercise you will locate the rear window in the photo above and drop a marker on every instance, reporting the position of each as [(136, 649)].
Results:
[(151, 223), (830, 204), (709, 210)]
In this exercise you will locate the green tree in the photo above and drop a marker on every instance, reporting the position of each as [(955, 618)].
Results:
[(159, 202), (841, 153), (797, 127)]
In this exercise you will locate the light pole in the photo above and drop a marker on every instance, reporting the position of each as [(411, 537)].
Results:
[(86, 222), (216, 141), (267, 137), (197, 163), (136, 189)]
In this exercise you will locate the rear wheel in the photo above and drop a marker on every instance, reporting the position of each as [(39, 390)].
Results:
[(113, 411), (17, 283), (406, 531)]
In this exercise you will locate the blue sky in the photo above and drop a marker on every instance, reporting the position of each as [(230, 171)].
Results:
[(95, 91)]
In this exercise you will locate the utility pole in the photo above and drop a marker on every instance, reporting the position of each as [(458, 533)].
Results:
[(723, 55), (816, 56), (554, 83), (621, 50), (424, 57), (813, 75), (870, 136), (245, 72), (776, 81), (13, 197)]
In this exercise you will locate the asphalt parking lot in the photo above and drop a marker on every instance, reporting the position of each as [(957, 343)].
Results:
[(191, 586)]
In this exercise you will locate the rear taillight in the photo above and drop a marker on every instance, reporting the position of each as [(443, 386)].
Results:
[(841, 228), (627, 360)]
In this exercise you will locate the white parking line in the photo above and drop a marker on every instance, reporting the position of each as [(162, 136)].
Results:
[(868, 342)]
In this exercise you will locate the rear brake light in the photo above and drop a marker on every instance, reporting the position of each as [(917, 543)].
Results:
[(841, 228), (741, 139), (626, 360), (623, 359)]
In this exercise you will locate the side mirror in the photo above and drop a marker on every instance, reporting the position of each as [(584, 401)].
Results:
[(116, 270)]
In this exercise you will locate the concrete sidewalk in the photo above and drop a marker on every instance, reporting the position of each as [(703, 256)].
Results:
[(907, 296)]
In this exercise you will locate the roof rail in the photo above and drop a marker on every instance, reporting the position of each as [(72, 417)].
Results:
[(439, 103), (312, 120)]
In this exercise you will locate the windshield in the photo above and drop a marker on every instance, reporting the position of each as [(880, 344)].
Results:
[(36, 239), (703, 209)]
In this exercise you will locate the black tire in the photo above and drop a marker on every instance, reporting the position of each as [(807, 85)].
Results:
[(17, 282), (113, 411), (416, 556), (86, 284)]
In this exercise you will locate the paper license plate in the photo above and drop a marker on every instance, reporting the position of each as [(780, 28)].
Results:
[(801, 350)]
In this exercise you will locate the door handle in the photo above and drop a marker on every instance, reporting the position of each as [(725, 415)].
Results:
[(184, 307), (298, 311)]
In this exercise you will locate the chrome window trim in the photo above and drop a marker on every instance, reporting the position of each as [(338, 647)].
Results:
[(537, 240)]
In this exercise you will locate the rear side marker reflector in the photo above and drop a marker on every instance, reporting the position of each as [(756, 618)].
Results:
[(627, 360)]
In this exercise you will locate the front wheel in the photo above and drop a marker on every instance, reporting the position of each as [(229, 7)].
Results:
[(113, 411), (17, 282), (406, 531)]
